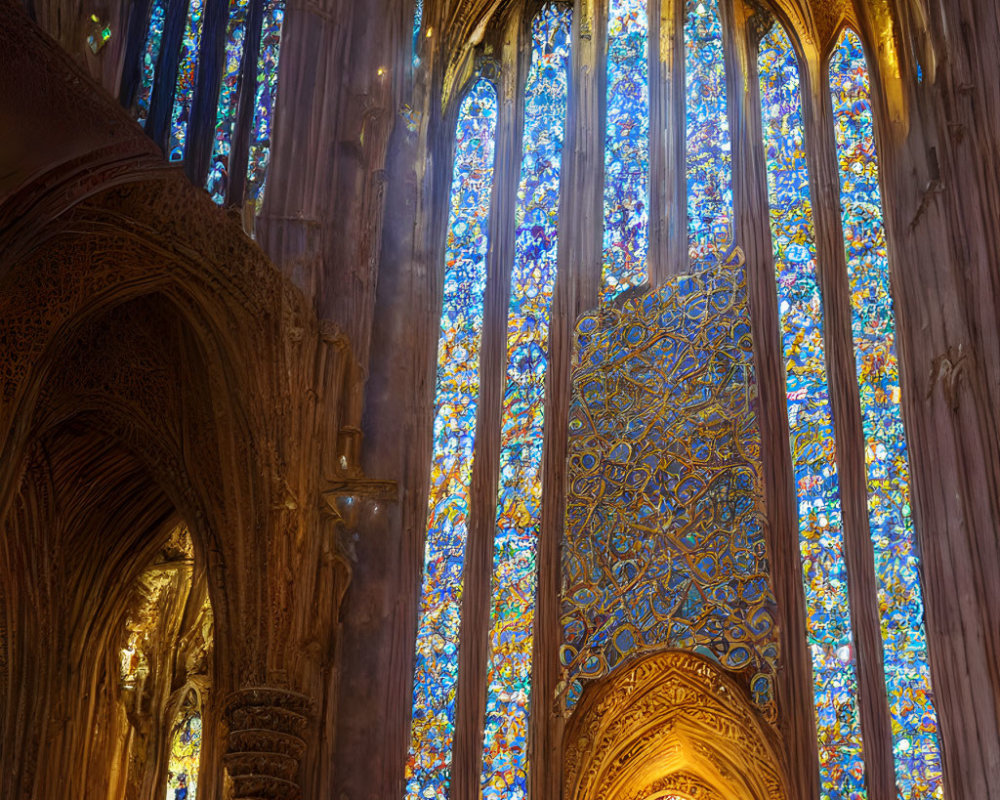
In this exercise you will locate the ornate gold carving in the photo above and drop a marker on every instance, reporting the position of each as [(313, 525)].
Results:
[(670, 722), (664, 543)]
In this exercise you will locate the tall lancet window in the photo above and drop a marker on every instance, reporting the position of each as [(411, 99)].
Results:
[(507, 681), (709, 157), (184, 87), (810, 421), (265, 91), (418, 24), (904, 642), (512, 615), (236, 31), (626, 148), (242, 93), (185, 752), (149, 57), (435, 681)]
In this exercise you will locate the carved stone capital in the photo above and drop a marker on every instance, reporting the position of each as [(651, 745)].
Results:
[(265, 745)]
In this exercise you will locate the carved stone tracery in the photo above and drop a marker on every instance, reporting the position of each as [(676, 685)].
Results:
[(670, 721)]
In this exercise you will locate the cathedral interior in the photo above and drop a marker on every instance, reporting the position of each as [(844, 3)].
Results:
[(501, 399)]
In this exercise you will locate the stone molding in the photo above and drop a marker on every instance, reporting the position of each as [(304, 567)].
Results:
[(264, 745)]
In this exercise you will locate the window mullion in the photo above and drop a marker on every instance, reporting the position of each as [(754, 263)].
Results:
[(675, 139), (201, 125), (135, 41), (582, 236), (162, 101), (239, 154), (472, 662), (577, 287), (753, 233), (662, 137), (846, 409)]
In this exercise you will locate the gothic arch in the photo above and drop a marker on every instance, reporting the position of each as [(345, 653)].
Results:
[(151, 342), (670, 723)]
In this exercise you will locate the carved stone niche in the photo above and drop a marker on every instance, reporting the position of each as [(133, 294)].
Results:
[(265, 746)]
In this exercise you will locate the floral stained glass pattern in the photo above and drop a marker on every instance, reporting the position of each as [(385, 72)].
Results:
[(428, 769), (512, 614), (150, 54), (267, 87), (187, 71), (709, 158), (185, 754), (904, 642), (663, 544), (218, 173), (626, 148), (810, 423)]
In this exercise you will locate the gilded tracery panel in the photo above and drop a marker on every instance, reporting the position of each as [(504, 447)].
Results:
[(664, 545), (709, 741)]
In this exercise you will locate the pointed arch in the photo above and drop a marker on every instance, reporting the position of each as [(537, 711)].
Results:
[(810, 418), (456, 404), (519, 495), (672, 722), (905, 658)]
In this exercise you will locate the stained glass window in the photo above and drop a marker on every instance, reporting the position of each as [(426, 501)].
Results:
[(184, 89), (519, 498), (267, 87), (418, 23), (810, 422), (218, 174), (709, 160), (904, 641), (626, 148), (185, 754), (709, 230), (150, 54), (237, 65), (428, 770)]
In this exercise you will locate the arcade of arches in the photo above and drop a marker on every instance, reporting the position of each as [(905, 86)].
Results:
[(464, 457)]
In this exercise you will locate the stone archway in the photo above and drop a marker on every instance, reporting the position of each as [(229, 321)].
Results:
[(158, 368), (670, 725)]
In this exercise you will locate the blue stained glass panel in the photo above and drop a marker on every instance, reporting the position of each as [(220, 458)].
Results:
[(428, 768), (512, 610), (187, 71), (418, 24), (267, 89), (626, 149), (218, 173), (904, 640), (709, 157), (810, 423), (150, 53)]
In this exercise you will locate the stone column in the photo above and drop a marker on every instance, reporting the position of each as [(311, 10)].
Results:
[(264, 744)]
